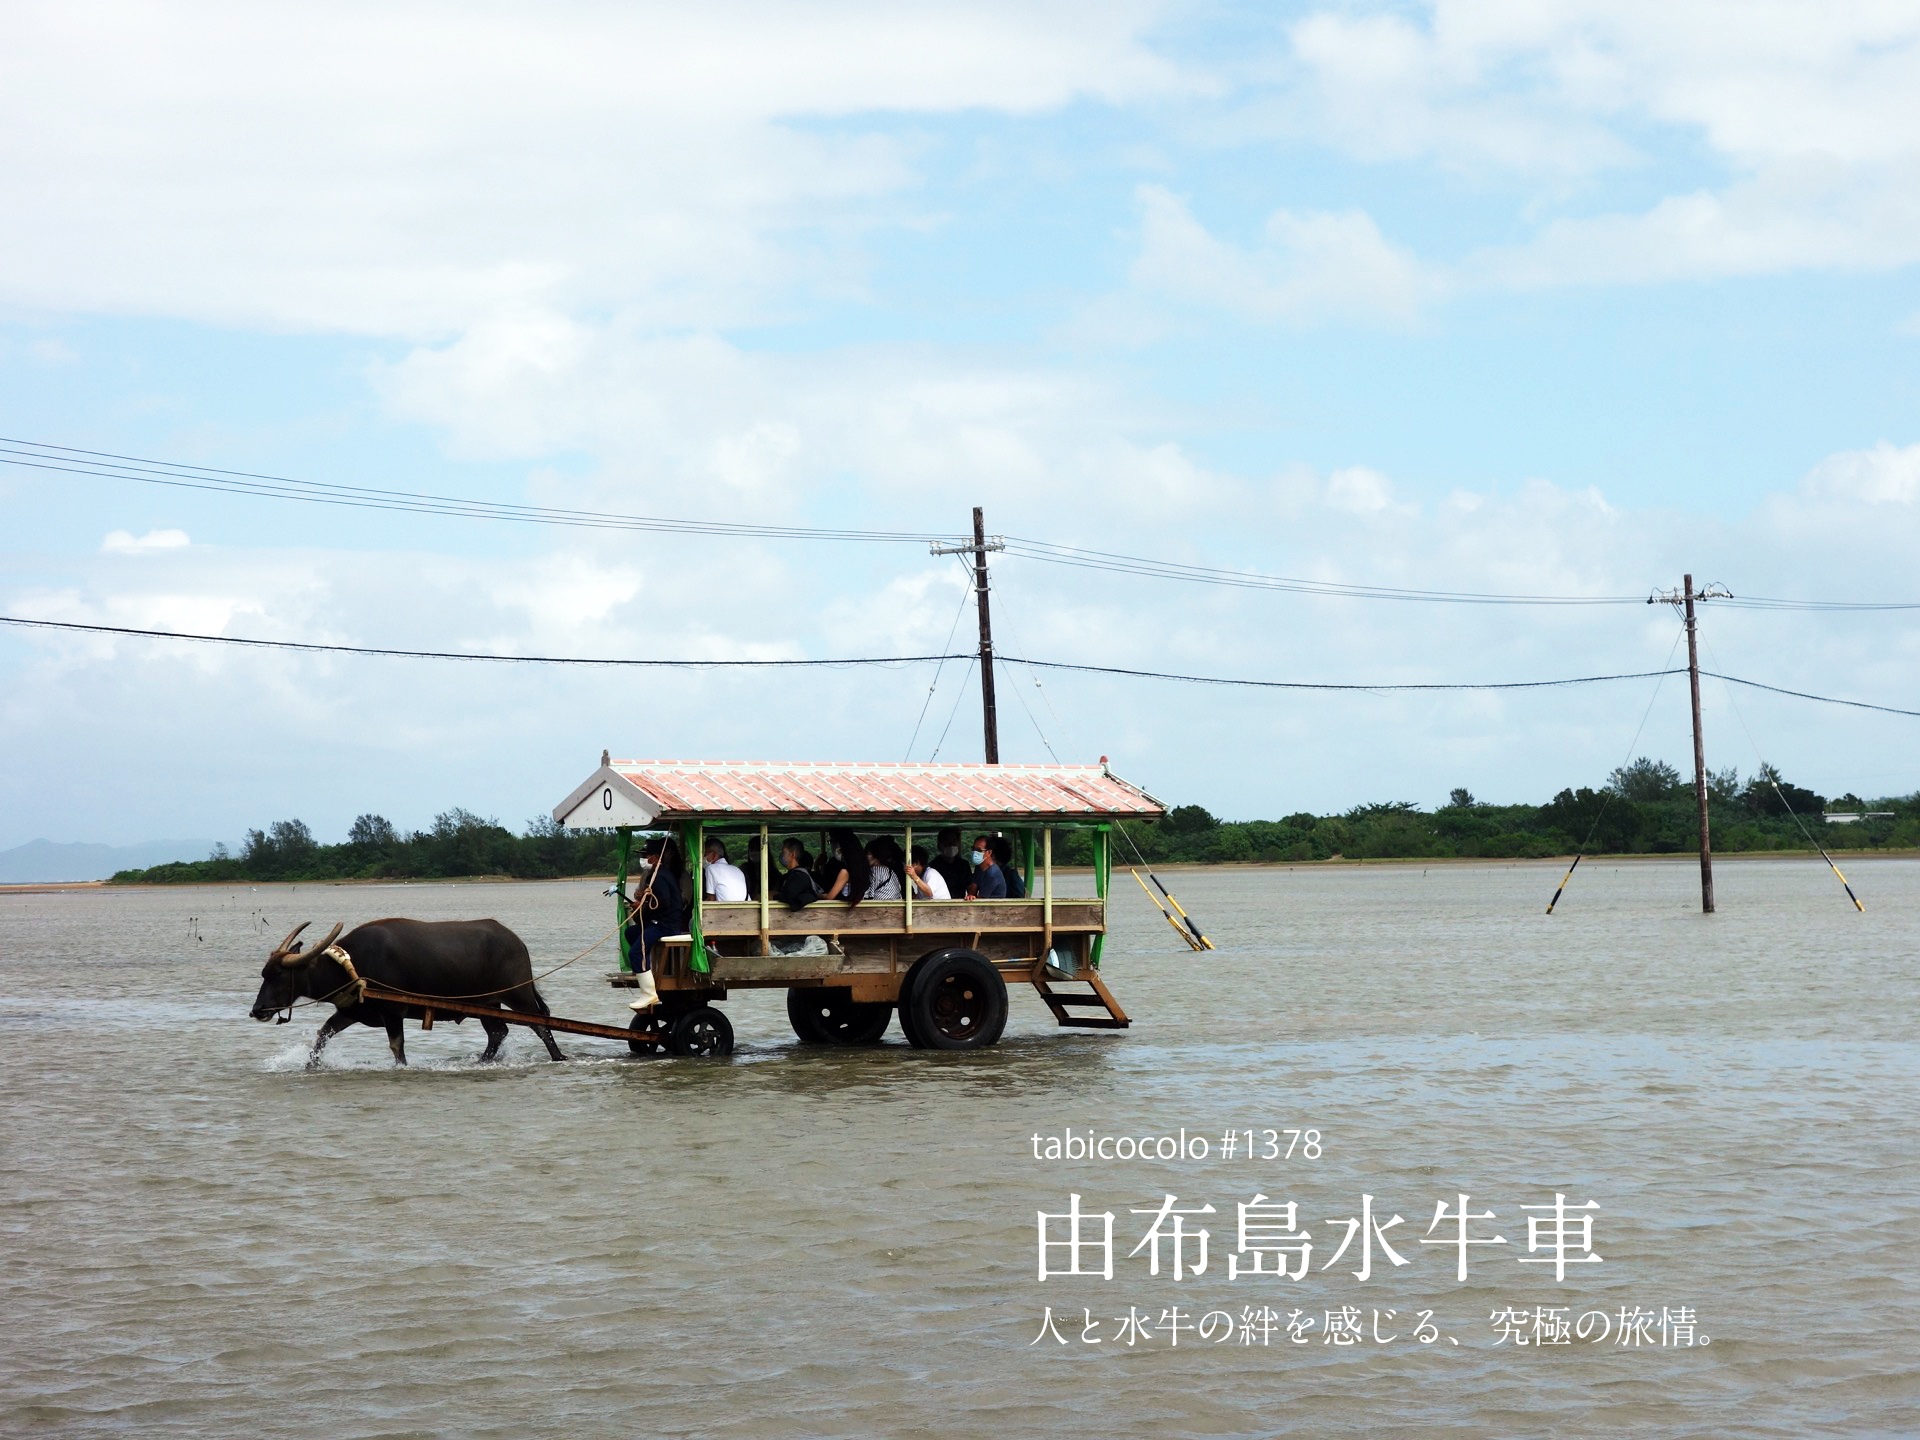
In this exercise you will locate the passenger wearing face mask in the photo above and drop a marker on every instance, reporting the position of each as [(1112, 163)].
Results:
[(988, 882), (658, 911)]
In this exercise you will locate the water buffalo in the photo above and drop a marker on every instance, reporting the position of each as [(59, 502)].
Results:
[(478, 961)]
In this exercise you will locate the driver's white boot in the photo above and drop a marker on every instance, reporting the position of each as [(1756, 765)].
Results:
[(649, 992)]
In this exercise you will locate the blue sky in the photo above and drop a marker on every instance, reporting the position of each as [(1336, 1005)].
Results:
[(1561, 298)]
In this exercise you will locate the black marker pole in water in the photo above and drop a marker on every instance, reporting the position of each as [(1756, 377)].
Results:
[(1563, 883), (1205, 944)]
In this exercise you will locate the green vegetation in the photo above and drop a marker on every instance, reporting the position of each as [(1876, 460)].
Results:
[(1644, 809), (459, 843)]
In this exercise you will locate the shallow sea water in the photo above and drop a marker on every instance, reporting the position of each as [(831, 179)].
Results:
[(202, 1237)]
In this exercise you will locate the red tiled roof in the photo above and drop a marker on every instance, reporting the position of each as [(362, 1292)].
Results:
[(695, 789)]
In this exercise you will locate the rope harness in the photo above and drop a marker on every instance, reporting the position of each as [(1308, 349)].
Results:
[(354, 983)]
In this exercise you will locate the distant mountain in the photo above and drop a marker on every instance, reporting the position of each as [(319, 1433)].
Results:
[(40, 862)]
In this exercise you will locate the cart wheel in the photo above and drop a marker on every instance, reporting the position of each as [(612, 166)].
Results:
[(649, 1037), (702, 1030), (908, 1027), (829, 1015), (957, 1001)]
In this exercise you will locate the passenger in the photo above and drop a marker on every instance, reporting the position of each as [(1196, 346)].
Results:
[(928, 883), (675, 864), (752, 867), (886, 875), (825, 867), (1010, 872), (657, 912), (724, 881), (850, 873), (950, 864), (796, 888), (988, 882)]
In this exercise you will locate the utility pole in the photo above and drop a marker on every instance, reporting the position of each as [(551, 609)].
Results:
[(1699, 751), (978, 549), (1684, 598)]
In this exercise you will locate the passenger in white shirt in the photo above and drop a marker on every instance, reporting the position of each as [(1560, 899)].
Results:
[(724, 879), (928, 883)]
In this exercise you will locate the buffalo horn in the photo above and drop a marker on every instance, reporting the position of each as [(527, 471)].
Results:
[(287, 944), (332, 935)]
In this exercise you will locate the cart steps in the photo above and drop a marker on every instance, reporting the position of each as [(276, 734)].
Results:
[(1063, 1003)]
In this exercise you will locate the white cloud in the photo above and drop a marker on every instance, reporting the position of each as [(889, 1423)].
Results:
[(1551, 86), (1310, 267), (1807, 214), (1385, 89), (124, 542), (1885, 475), (409, 169), (1810, 115), (901, 434), (1361, 491)]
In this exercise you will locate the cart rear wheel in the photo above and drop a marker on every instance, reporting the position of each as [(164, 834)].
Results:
[(702, 1030), (953, 1000), (649, 1035), (907, 1026), (829, 1015)]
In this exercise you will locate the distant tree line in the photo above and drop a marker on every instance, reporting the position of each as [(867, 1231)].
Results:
[(1645, 808), (458, 843)]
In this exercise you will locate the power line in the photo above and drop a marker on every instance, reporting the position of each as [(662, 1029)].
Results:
[(33, 455), (1435, 685), (1328, 685), (1803, 695), (392, 653), (940, 669), (309, 646), (958, 696), (1760, 602), (1054, 554), (1232, 681), (1772, 778), (111, 465), (1627, 759)]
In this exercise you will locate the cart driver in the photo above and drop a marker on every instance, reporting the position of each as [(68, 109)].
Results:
[(656, 914)]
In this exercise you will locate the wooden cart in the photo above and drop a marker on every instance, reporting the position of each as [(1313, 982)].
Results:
[(942, 966)]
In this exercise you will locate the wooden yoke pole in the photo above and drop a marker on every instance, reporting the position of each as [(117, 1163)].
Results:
[(1699, 752)]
